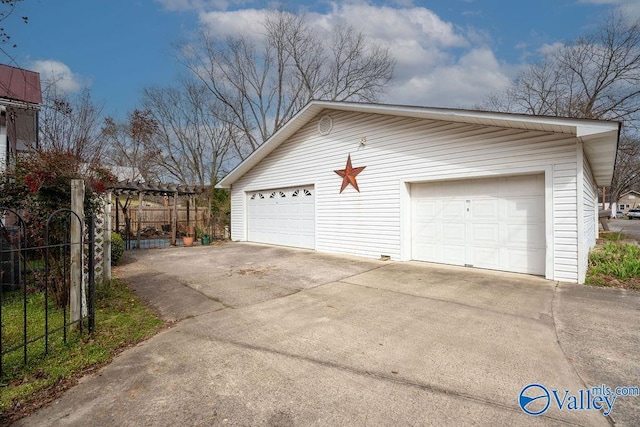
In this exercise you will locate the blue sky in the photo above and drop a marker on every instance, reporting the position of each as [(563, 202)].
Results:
[(449, 52)]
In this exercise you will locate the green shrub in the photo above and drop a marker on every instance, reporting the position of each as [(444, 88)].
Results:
[(117, 248), (614, 259)]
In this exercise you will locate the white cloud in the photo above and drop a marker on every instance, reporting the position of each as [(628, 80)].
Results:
[(547, 49), (628, 7), (437, 63), (57, 73), (464, 83), (246, 22), (391, 24)]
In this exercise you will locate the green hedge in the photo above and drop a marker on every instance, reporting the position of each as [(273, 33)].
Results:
[(117, 248)]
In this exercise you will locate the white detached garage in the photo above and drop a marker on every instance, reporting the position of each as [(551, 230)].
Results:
[(480, 189)]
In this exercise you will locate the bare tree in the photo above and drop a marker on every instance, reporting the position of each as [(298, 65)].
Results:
[(71, 124), (130, 145), (7, 10), (193, 144), (261, 85), (627, 174), (597, 77)]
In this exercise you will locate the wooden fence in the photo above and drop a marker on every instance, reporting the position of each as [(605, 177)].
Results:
[(156, 221)]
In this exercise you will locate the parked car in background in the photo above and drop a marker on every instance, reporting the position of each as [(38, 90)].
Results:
[(633, 214), (619, 214)]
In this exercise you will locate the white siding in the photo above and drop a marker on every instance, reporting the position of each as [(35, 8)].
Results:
[(565, 202), (403, 149), (590, 215)]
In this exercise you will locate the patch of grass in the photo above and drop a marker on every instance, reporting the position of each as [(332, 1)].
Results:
[(615, 264), (121, 321), (13, 327), (612, 236)]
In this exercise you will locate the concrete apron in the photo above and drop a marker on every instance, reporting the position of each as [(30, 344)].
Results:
[(399, 344)]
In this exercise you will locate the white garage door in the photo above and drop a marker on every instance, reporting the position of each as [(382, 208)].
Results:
[(284, 216), (495, 223)]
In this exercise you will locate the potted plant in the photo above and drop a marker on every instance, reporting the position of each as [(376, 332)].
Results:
[(205, 239), (189, 238)]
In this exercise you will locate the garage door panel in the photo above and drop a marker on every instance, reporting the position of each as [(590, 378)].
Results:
[(452, 209), (427, 208), (525, 207), (484, 257), (471, 188), (484, 209), (483, 234), (451, 254), (282, 217), (427, 232), (431, 250), (525, 235), (496, 223), (452, 232), (524, 261)]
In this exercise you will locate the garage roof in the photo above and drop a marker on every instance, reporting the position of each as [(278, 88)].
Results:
[(600, 137)]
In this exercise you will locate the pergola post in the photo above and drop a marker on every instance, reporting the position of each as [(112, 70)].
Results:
[(139, 226), (117, 213), (195, 207), (174, 219), (189, 215)]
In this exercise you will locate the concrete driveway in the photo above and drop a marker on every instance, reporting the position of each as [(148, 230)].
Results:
[(630, 228), (284, 337)]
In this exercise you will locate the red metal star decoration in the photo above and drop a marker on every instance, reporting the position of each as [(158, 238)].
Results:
[(349, 174)]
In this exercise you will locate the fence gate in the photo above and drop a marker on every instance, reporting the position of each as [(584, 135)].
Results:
[(37, 268)]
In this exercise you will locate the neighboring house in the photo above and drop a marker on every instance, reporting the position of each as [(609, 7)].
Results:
[(20, 99), (629, 200), (480, 189)]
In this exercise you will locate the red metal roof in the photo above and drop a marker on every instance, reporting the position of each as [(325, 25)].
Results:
[(20, 85)]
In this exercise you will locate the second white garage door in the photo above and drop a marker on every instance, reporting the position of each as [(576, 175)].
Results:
[(284, 216), (495, 223)]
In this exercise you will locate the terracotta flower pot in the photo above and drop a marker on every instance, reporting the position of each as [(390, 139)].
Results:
[(187, 241)]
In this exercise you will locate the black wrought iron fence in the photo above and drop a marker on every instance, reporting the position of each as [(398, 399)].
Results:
[(47, 287)]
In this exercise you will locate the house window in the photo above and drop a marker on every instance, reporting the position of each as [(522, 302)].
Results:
[(272, 195), (295, 193), (282, 195), (22, 129), (307, 192), (253, 196)]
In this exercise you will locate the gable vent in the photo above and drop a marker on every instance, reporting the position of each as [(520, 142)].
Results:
[(325, 125)]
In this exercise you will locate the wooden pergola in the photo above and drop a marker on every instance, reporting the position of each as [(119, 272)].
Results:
[(139, 189)]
